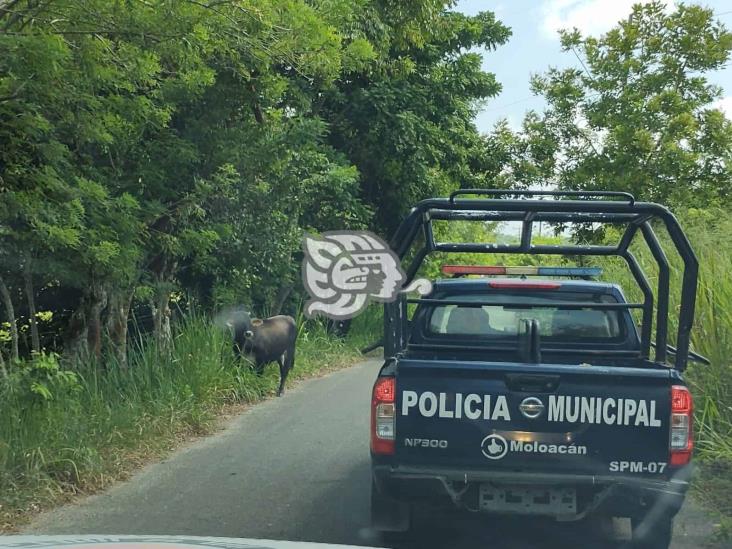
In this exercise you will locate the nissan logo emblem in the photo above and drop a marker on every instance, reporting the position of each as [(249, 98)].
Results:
[(531, 407)]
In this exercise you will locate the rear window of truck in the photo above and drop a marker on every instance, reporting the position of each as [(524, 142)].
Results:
[(496, 321)]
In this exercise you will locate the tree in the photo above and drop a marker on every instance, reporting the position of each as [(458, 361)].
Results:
[(638, 115), (407, 123), (141, 145), (153, 149)]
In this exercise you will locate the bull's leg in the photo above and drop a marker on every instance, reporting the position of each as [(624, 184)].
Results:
[(283, 362), (259, 368), (290, 362)]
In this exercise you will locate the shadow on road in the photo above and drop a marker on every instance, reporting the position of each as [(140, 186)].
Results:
[(480, 531), (340, 514)]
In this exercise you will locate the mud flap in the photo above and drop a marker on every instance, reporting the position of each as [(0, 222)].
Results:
[(653, 531), (388, 514)]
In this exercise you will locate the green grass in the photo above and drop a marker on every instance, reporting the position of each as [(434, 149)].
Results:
[(711, 237), (64, 433), (710, 233)]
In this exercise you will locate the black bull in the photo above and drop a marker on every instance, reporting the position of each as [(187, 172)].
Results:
[(269, 340)]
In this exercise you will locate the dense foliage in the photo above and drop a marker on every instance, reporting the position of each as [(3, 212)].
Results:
[(166, 148), (637, 114)]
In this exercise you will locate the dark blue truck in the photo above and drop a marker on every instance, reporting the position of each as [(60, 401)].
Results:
[(531, 394)]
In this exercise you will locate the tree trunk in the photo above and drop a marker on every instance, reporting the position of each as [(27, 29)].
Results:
[(163, 268), (10, 315), (31, 297), (282, 294), (75, 341), (3, 370), (118, 310), (97, 302), (256, 108), (161, 319), (84, 333)]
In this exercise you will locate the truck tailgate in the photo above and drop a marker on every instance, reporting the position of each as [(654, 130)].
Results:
[(547, 418)]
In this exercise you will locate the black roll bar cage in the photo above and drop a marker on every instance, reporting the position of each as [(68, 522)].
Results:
[(570, 207)]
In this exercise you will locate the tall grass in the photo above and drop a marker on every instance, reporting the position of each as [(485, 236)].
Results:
[(63, 432), (710, 234)]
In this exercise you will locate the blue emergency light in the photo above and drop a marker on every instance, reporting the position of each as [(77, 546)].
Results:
[(569, 271)]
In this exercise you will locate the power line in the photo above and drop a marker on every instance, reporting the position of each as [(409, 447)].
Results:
[(581, 63), (500, 107)]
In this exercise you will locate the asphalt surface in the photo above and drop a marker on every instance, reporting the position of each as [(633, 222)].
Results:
[(297, 468)]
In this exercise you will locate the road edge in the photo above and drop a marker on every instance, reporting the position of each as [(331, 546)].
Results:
[(142, 456)]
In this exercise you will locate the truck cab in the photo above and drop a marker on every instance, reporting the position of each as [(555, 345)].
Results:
[(531, 390)]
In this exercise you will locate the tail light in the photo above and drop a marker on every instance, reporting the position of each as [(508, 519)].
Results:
[(383, 418), (682, 426)]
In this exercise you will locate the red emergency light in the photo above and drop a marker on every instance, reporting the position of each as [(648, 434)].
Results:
[(472, 270)]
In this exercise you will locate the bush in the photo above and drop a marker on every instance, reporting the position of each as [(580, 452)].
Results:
[(38, 381)]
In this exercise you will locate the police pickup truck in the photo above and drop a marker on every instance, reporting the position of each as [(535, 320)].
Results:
[(532, 390)]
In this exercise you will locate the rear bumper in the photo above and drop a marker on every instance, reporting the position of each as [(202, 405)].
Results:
[(615, 495)]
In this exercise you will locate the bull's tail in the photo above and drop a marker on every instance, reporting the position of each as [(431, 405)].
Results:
[(293, 346)]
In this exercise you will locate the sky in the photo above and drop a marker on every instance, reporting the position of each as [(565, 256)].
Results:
[(534, 47)]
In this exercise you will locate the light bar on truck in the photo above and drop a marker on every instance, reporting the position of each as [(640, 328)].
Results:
[(458, 270)]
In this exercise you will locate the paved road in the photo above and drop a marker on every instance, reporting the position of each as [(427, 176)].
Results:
[(297, 468)]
